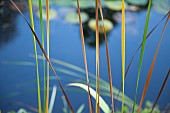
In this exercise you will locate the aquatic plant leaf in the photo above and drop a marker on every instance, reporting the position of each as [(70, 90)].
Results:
[(138, 2), (65, 3), (115, 5), (52, 13), (162, 6), (108, 58), (104, 85), (84, 4), (142, 50), (107, 25), (162, 87), (73, 17), (36, 59), (49, 62), (152, 66), (129, 65), (53, 96), (102, 104), (43, 2), (85, 59), (81, 108)]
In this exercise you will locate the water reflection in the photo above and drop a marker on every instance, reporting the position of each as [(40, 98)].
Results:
[(89, 33), (8, 20)]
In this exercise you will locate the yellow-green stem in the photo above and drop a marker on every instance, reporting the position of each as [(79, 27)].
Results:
[(36, 58), (42, 35), (123, 52)]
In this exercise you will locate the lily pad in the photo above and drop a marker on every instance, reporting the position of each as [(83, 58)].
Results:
[(87, 4), (53, 14), (73, 18), (115, 5), (162, 6), (43, 2), (63, 2), (107, 25), (84, 4), (138, 2)]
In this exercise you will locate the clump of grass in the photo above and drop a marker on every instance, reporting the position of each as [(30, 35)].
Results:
[(98, 82), (46, 57)]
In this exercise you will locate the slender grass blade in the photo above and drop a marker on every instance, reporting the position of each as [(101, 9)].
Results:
[(108, 57), (162, 87), (48, 60), (152, 66), (85, 59), (97, 62), (48, 55), (123, 52), (42, 35), (127, 70), (36, 59), (142, 50)]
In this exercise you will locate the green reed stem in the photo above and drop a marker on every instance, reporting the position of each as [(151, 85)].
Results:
[(42, 35), (142, 51), (36, 58)]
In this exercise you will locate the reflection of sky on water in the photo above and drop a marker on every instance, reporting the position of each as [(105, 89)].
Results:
[(66, 46)]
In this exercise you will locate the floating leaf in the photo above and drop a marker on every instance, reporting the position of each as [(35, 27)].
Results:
[(130, 18), (72, 17), (115, 5), (53, 14), (162, 6), (22, 111), (80, 109), (63, 2), (138, 2), (102, 103), (84, 4), (107, 25), (35, 2)]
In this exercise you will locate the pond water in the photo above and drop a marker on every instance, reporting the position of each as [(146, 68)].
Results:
[(17, 81)]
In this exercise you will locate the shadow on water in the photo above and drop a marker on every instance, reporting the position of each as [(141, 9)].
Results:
[(8, 15)]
